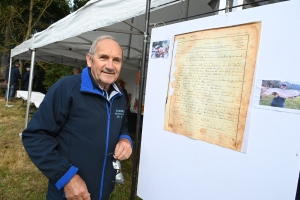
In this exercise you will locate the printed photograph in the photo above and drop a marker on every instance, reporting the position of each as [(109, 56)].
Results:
[(160, 49), (281, 94)]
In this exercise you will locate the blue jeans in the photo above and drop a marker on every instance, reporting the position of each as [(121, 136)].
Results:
[(12, 91)]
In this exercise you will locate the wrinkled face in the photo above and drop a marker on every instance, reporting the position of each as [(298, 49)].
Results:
[(106, 62)]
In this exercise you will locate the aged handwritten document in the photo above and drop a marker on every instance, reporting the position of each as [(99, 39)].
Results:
[(210, 84)]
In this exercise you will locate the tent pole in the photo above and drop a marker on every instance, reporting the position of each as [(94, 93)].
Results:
[(8, 83), (30, 86), (187, 10), (129, 42), (137, 144)]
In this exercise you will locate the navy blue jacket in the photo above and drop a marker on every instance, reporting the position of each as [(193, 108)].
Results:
[(278, 102), (73, 131), (14, 76), (26, 79)]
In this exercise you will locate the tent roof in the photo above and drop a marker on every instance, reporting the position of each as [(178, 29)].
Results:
[(68, 40)]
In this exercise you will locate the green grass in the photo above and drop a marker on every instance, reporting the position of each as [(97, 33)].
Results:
[(19, 178), (289, 103)]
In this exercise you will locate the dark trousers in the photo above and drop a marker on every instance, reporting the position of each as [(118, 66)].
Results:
[(12, 92)]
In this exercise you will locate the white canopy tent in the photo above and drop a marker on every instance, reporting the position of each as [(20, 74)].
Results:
[(68, 40)]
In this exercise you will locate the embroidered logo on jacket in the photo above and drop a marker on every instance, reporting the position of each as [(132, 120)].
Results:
[(120, 113)]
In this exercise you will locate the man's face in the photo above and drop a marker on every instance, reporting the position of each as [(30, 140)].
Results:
[(283, 87), (106, 63)]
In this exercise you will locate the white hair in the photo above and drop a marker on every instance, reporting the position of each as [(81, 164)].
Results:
[(103, 37)]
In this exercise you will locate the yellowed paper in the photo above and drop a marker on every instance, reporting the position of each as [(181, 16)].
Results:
[(210, 84)]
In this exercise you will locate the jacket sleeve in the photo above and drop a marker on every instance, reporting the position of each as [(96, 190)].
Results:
[(39, 136), (124, 133)]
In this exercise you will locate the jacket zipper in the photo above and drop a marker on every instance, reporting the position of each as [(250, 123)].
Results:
[(108, 108)]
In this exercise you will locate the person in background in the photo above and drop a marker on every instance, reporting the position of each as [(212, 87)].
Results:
[(15, 76), (277, 100), (155, 53), (26, 77), (80, 129), (121, 84), (76, 70)]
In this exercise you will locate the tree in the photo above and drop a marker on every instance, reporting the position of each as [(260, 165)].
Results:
[(78, 4), (271, 83), (54, 72), (19, 19), (7, 13)]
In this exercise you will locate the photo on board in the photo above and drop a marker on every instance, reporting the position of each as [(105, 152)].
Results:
[(160, 49), (280, 94)]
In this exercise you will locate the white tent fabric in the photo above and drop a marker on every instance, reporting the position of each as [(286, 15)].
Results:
[(71, 36), (68, 40), (93, 15)]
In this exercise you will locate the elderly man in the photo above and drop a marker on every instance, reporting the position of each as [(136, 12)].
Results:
[(80, 128)]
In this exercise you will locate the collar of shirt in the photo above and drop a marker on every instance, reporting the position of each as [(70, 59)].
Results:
[(113, 90)]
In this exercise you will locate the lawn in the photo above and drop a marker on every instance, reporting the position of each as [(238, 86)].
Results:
[(19, 178)]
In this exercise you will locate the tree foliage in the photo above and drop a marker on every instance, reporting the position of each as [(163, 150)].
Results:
[(19, 20), (278, 83), (271, 83), (54, 72), (78, 4)]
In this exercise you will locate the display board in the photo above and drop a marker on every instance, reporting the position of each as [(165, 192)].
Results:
[(176, 165)]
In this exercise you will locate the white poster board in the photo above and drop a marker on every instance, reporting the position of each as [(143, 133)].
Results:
[(173, 166)]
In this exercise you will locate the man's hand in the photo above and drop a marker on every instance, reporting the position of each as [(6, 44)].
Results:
[(76, 189), (123, 149)]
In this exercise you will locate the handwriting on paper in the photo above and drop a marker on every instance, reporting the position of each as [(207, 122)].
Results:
[(210, 84)]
